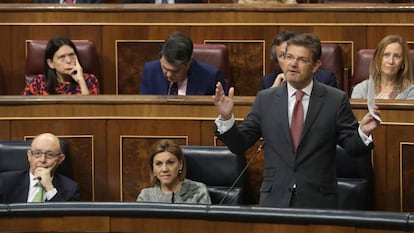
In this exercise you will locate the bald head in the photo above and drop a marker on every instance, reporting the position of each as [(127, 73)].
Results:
[(45, 152), (46, 140)]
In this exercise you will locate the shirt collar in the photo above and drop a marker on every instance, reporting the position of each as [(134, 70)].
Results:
[(307, 89), (32, 179)]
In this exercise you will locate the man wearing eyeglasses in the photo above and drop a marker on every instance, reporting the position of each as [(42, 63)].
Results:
[(40, 183), (301, 122), (275, 78)]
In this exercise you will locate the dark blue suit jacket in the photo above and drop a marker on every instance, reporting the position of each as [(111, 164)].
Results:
[(14, 187), (323, 76), (77, 1), (202, 79)]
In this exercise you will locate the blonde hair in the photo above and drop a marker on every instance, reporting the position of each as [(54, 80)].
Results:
[(404, 75)]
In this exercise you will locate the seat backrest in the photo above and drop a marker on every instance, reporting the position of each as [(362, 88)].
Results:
[(218, 168), (215, 55), (13, 157), (355, 180), (361, 66), (36, 52), (332, 60)]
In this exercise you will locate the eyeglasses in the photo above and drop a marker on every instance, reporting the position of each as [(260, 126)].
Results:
[(63, 57), (300, 60), (48, 154)]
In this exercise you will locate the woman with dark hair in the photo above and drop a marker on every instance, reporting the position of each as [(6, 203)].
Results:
[(63, 73), (168, 171)]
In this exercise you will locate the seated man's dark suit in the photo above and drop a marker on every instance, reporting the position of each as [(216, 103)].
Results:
[(309, 175), (323, 76), (77, 1), (14, 187), (201, 80)]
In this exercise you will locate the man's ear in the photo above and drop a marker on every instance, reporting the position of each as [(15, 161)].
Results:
[(61, 158), (316, 65)]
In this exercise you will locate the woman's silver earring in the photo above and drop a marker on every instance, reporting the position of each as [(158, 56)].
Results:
[(180, 172)]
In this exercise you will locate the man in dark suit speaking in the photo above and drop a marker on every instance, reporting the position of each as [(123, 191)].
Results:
[(40, 183), (301, 122), (177, 73)]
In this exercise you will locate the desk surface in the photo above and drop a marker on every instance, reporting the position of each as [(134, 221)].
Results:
[(153, 217)]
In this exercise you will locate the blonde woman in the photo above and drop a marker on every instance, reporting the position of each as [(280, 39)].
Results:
[(391, 71)]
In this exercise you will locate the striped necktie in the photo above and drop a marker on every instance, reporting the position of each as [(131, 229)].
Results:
[(296, 123)]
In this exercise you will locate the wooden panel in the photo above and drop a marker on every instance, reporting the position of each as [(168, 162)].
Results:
[(407, 177), (131, 58), (5, 130)]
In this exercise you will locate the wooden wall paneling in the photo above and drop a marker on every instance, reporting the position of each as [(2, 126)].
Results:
[(125, 224), (6, 63), (401, 134), (207, 132), (247, 59), (407, 176), (85, 224), (83, 160), (382, 31), (379, 158), (5, 130), (131, 57), (136, 171), (87, 142), (21, 224)]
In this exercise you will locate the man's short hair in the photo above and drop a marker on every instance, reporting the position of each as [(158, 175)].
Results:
[(177, 48), (278, 40), (310, 41)]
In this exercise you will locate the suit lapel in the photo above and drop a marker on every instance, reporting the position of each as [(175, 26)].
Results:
[(282, 103)]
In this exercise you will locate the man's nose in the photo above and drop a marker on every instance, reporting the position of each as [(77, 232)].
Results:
[(42, 158)]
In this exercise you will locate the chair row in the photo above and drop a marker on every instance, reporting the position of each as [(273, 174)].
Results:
[(219, 169), (213, 54)]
